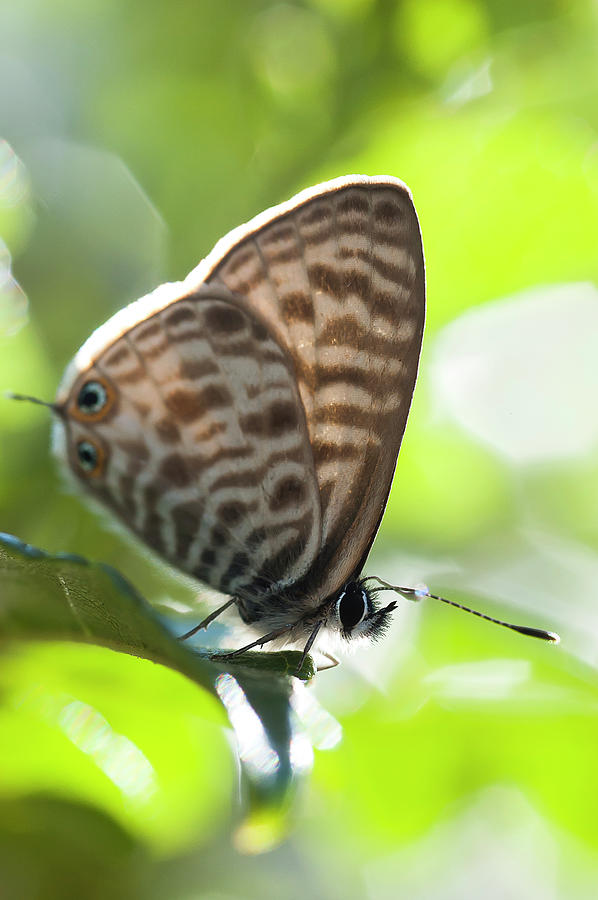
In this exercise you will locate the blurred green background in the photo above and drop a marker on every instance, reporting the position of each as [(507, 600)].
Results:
[(134, 135)]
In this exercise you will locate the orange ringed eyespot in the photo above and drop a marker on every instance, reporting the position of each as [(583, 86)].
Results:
[(94, 401), (91, 458)]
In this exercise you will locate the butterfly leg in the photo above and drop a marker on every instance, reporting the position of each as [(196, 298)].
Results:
[(334, 662), (308, 646), (271, 636), (205, 622)]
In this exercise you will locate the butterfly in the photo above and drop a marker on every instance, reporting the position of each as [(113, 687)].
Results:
[(245, 423)]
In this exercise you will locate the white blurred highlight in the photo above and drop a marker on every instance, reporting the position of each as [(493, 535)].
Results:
[(521, 374), (491, 679), (14, 184), (477, 83), (322, 729), (260, 759), (14, 192), (123, 763), (14, 306), (114, 754)]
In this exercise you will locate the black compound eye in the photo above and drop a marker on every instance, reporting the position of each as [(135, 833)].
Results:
[(352, 605), (87, 455), (92, 397)]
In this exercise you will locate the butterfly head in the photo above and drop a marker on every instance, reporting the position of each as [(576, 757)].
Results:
[(77, 410), (355, 613)]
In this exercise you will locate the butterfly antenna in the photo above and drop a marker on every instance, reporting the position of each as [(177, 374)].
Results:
[(418, 593), (28, 399)]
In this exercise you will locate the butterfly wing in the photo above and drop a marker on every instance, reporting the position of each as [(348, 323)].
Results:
[(203, 447), (338, 275)]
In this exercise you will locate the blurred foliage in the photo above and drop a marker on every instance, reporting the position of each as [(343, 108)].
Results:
[(134, 135), (65, 598)]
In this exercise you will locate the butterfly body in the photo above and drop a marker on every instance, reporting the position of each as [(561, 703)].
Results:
[(245, 423)]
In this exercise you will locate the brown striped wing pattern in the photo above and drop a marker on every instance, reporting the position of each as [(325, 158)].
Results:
[(203, 449), (338, 275), (249, 418)]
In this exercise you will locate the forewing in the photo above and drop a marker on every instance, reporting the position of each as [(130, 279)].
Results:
[(338, 274), (206, 453)]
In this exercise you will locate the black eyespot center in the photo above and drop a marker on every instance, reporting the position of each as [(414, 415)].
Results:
[(92, 397), (87, 455), (352, 605)]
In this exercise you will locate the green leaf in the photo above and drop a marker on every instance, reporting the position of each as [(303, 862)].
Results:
[(62, 597)]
